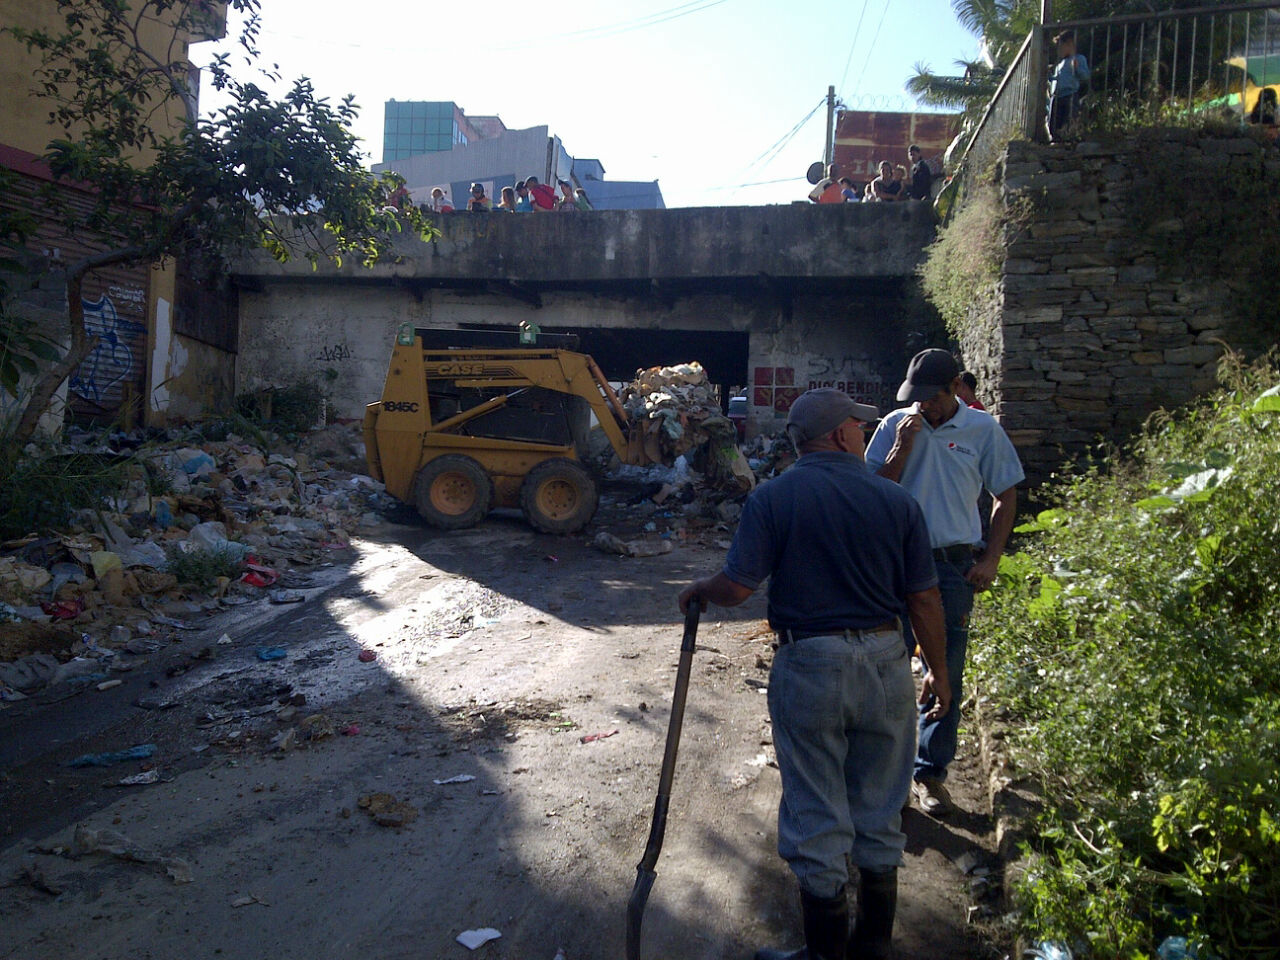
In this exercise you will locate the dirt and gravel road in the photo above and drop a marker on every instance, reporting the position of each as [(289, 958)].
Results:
[(497, 651)]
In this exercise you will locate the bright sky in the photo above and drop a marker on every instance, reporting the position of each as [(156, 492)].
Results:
[(698, 95)]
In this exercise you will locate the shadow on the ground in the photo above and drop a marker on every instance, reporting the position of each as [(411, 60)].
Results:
[(326, 881)]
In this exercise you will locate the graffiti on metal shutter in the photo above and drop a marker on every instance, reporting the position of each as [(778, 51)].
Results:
[(119, 350)]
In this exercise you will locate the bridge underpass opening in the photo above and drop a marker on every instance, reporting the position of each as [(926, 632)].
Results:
[(621, 352)]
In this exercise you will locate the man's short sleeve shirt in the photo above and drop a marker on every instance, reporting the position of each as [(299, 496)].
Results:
[(841, 548), (921, 180), (948, 467)]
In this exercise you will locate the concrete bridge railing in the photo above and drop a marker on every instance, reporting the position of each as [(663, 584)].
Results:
[(831, 241)]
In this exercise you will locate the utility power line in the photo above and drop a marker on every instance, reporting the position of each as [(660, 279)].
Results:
[(871, 49), (857, 31)]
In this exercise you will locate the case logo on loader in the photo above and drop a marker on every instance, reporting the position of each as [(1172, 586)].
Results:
[(459, 369), (400, 406)]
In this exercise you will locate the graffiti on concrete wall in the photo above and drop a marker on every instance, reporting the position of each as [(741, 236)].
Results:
[(112, 361), (853, 374), (334, 353)]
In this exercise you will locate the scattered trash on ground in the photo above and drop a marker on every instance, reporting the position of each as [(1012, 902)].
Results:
[(316, 727), (367, 656), (141, 752), (248, 901), (32, 874), (113, 844), (474, 939), (271, 653), (460, 778), (139, 779), (197, 525), (593, 737), (608, 543), (386, 810)]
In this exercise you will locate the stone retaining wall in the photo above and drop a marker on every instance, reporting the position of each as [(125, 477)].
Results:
[(1087, 336)]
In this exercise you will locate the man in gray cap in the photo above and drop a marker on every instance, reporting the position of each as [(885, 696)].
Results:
[(846, 554), (944, 453)]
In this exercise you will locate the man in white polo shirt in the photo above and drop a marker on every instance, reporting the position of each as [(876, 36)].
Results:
[(944, 453)]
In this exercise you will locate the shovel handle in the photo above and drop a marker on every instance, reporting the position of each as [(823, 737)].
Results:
[(675, 724), (645, 874)]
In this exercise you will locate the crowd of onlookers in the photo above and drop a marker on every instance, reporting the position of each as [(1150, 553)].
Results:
[(527, 196), (895, 182)]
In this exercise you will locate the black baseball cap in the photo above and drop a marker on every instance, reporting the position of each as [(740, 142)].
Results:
[(928, 372)]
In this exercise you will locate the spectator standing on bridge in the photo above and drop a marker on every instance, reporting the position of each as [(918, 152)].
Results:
[(565, 202), (543, 197), (846, 556), (849, 192), (479, 203), (523, 203), (944, 453), (438, 202), (580, 198), (827, 190), (884, 188), (508, 202), (921, 185), (1069, 81)]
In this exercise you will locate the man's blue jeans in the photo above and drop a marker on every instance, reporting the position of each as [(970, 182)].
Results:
[(842, 708), (937, 739)]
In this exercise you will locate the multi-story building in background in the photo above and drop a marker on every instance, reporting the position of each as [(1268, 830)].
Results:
[(414, 127), (435, 144)]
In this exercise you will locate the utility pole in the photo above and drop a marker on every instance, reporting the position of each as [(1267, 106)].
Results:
[(1046, 11), (831, 125)]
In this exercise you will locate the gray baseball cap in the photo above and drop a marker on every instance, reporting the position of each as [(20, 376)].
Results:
[(817, 412)]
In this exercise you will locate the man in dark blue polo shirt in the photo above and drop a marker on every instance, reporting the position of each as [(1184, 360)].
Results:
[(847, 555)]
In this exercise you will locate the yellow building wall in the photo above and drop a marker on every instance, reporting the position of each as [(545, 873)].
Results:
[(174, 363)]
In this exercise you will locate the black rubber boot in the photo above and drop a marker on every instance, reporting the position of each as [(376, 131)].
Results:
[(877, 903), (826, 930)]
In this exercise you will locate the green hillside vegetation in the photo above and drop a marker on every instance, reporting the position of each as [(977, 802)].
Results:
[(1132, 647)]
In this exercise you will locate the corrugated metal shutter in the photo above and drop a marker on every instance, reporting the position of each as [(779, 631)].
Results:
[(115, 304)]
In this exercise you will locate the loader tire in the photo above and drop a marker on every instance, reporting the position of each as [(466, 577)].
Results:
[(558, 496), (453, 492)]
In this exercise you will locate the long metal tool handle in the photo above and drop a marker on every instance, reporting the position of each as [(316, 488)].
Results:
[(645, 874), (674, 726)]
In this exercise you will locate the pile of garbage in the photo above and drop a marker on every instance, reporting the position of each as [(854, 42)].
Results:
[(679, 413), (679, 400), (196, 526), (769, 456)]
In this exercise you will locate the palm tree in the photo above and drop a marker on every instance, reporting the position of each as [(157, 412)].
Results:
[(1002, 25)]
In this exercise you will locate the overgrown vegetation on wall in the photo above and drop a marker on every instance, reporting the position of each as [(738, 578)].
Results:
[(1212, 209), (961, 268), (1133, 643)]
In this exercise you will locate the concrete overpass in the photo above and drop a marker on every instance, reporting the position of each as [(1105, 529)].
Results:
[(776, 298)]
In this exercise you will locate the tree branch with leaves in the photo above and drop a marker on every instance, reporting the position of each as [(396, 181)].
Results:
[(256, 172)]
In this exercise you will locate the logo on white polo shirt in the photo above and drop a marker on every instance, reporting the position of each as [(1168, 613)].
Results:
[(959, 449)]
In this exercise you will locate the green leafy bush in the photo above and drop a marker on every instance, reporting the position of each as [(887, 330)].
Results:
[(290, 410), (41, 490), (1135, 645), (962, 267), (202, 568)]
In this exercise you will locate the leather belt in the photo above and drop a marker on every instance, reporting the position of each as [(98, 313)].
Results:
[(954, 553), (790, 636)]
